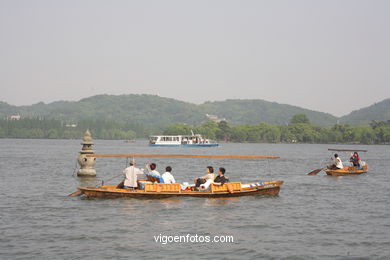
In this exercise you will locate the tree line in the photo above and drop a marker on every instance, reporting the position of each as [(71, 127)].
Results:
[(41, 128), (298, 130)]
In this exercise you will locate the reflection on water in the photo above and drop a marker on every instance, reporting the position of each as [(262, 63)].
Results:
[(314, 217), (220, 201), (88, 181)]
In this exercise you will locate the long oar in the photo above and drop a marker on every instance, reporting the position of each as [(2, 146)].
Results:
[(75, 194), (314, 172)]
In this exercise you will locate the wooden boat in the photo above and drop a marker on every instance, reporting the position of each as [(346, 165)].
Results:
[(165, 190), (347, 170), (151, 188)]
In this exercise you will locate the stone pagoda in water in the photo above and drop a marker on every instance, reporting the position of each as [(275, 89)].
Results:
[(86, 163)]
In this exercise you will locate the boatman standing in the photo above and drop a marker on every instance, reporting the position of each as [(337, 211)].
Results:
[(131, 176)]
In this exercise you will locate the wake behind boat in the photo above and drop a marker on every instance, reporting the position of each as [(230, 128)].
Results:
[(193, 140)]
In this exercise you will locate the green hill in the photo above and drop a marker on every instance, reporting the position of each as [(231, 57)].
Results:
[(6, 109), (258, 111), (139, 109), (155, 110), (376, 112)]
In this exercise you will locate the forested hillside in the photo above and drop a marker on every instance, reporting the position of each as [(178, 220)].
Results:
[(260, 111), (377, 112), (152, 110), (139, 109), (155, 110)]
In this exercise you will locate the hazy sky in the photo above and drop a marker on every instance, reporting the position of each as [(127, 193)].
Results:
[(330, 56)]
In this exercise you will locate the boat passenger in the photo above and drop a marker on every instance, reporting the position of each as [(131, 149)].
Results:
[(351, 160), (338, 164), (357, 159), (131, 176), (152, 169), (209, 176), (167, 176), (221, 179), (354, 159)]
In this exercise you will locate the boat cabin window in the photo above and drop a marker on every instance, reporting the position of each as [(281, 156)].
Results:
[(170, 138)]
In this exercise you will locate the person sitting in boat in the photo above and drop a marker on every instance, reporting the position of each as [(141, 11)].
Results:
[(152, 169), (351, 160), (209, 176), (131, 173), (354, 159), (153, 175), (338, 164), (357, 160), (167, 176), (221, 179)]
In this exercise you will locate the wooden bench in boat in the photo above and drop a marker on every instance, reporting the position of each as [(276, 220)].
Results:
[(226, 187), (230, 187), (162, 187)]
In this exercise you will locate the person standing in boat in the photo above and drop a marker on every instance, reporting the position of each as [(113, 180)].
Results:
[(221, 179), (209, 176), (131, 173), (338, 164), (167, 176)]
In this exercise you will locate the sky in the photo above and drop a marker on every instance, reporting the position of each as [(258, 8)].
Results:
[(331, 56)]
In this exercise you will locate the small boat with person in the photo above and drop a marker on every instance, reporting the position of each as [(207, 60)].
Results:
[(193, 140), (354, 166)]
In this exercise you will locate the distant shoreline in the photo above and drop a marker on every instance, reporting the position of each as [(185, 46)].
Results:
[(221, 142)]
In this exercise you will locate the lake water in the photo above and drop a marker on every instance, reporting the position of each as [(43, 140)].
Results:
[(313, 217)]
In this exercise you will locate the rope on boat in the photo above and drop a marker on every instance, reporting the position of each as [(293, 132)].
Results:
[(75, 169), (103, 181)]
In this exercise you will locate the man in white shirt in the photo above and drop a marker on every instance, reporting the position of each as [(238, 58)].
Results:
[(167, 176), (131, 176), (337, 163)]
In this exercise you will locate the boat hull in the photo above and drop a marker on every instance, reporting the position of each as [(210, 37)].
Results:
[(349, 170), (271, 188)]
